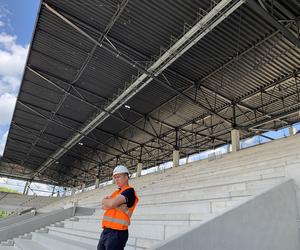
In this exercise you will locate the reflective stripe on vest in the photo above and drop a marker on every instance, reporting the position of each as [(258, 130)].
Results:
[(117, 218)]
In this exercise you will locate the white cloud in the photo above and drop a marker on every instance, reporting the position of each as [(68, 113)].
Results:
[(5, 21), (4, 12), (12, 61), (7, 104), (9, 84), (7, 40), (2, 142)]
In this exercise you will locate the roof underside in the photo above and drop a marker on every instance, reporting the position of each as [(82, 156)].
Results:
[(243, 74)]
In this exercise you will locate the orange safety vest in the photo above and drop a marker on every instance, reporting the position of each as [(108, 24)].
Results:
[(115, 218)]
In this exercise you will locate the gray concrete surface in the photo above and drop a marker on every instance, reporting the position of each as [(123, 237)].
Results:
[(265, 222)]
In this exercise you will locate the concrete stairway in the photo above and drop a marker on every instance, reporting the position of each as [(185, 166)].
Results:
[(173, 201), (12, 202), (258, 157)]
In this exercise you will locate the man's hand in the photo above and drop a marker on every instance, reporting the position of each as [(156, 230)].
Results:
[(103, 207), (108, 202), (123, 207), (103, 202)]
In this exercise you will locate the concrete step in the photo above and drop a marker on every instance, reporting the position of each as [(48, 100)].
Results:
[(228, 159), (60, 243), (216, 173), (70, 232), (160, 188), (239, 190), (26, 244), (262, 173), (215, 181), (241, 163), (221, 171), (161, 218), (91, 236), (208, 172), (204, 201), (155, 232), (75, 234), (101, 193), (184, 220), (205, 190), (7, 243), (242, 160), (248, 152), (95, 227), (193, 206), (8, 248), (208, 191)]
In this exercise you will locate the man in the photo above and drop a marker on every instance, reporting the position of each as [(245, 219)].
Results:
[(118, 209)]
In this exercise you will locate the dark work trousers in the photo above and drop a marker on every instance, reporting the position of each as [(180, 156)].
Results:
[(111, 239)]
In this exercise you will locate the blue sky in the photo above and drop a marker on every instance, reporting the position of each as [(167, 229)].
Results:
[(17, 19), (22, 16)]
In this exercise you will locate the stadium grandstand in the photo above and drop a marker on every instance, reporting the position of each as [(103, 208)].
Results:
[(172, 90)]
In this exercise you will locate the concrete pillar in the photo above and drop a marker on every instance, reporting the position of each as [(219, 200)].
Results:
[(64, 193), (235, 140), (139, 169), (97, 181), (187, 159), (25, 188), (53, 189), (175, 158), (83, 187), (73, 191), (292, 131)]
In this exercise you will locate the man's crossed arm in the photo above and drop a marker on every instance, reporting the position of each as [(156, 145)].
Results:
[(117, 202)]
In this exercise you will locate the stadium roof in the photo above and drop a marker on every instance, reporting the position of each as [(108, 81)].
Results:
[(109, 82)]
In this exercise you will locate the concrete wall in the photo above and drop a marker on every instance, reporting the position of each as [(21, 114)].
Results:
[(84, 211), (265, 222), (34, 223), (15, 219)]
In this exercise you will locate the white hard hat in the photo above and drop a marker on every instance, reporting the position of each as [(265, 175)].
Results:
[(120, 169)]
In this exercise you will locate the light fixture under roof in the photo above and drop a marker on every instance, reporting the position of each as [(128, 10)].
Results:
[(80, 143), (127, 106)]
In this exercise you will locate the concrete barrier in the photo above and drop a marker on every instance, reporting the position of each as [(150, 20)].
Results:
[(15, 219), (267, 221), (34, 223)]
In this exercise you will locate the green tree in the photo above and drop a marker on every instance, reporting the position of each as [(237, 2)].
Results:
[(8, 190), (3, 214)]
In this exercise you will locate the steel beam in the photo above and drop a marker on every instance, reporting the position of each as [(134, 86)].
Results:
[(264, 14), (182, 45)]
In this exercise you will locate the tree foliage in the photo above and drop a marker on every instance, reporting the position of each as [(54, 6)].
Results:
[(8, 190)]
